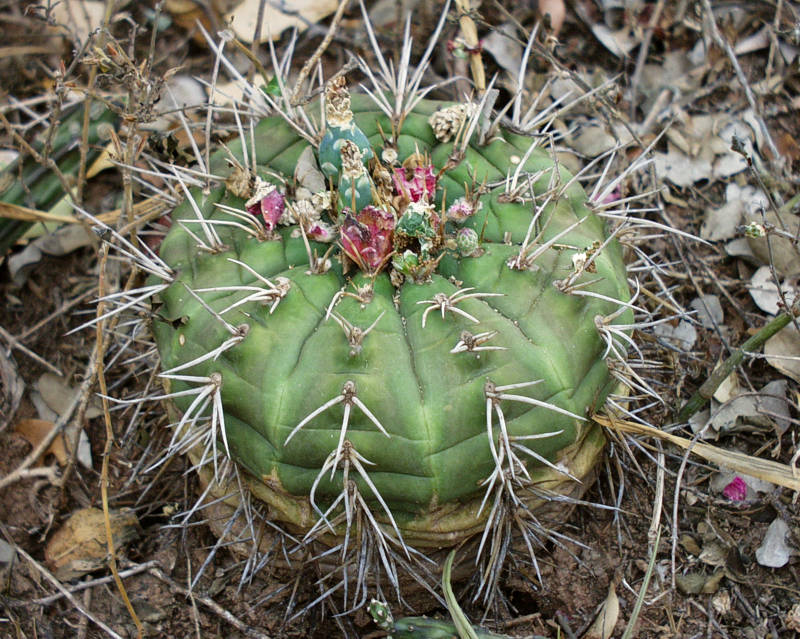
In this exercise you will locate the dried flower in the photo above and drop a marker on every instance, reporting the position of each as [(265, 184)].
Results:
[(736, 490), (352, 160), (366, 238), (337, 103), (462, 209), (416, 184), (320, 232), (446, 122), (267, 201)]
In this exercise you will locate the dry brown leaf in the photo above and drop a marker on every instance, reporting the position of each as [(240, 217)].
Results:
[(303, 13), (774, 472), (35, 431), (606, 619), (783, 352), (80, 546), (557, 12), (59, 395), (781, 251), (12, 389)]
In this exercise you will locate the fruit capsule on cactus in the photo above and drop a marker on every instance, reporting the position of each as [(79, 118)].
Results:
[(422, 383), (341, 127)]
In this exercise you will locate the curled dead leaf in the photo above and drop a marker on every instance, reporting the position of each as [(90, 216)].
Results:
[(36, 431), (80, 547), (13, 388), (606, 620), (783, 352)]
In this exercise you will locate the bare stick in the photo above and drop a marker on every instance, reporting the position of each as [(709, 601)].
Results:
[(725, 46), (721, 373), (83, 395), (72, 599), (101, 380), (14, 343), (318, 53), (211, 604)]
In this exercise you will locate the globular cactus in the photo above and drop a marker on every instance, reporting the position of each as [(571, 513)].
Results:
[(397, 331)]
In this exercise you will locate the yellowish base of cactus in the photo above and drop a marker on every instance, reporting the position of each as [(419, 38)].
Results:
[(441, 526)]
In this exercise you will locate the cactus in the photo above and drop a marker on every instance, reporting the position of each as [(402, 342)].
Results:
[(424, 374)]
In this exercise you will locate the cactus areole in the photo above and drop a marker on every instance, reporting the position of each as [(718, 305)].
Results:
[(396, 320)]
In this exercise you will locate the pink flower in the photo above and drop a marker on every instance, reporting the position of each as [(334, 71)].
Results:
[(320, 232), (462, 209), (421, 184), (736, 490), (367, 237), (270, 206)]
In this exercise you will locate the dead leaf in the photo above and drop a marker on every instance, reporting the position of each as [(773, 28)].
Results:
[(754, 42), (299, 14), (78, 18), (13, 388), (58, 394), (557, 12), (682, 336), (680, 169), (593, 140), (708, 309), (764, 291), (35, 431), (181, 93), (307, 172), (506, 49), (80, 547), (768, 408), (773, 551), (781, 251), (713, 554), (60, 242), (783, 352), (603, 626), (699, 583), (722, 223)]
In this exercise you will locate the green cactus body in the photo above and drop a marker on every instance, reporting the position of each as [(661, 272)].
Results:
[(447, 351)]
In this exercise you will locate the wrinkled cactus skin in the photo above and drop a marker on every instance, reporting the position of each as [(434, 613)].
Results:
[(431, 401)]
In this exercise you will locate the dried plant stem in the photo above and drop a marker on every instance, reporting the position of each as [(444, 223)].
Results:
[(210, 604), (644, 48), (46, 601), (773, 472), (721, 373), (66, 593), (470, 32), (87, 107), (83, 395), (726, 47), (49, 162), (309, 65), (14, 343), (101, 380), (637, 608)]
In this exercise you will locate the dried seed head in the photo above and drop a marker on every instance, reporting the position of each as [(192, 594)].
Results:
[(240, 182), (462, 209), (446, 122), (352, 160), (337, 103)]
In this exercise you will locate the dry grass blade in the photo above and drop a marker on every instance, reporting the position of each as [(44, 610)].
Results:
[(773, 472)]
